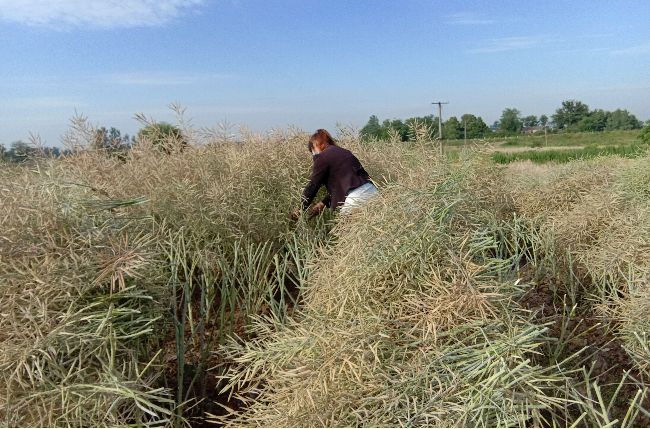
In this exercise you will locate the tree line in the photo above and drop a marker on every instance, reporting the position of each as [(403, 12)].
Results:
[(452, 128), (571, 116), (108, 140)]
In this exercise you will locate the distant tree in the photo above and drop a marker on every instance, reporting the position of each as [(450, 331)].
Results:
[(429, 121), (20, 151), (372, 129), (52, 152), (164, 136), (645, 133), (385, 129), (543, 120), (111, 140), (392, 127), (451, 129), (475, 126), (596, 120), (571, 112), (403, 129), (398, 128), (510, 121), (99, 139), (622, 120), (381, 131), (530, 121)]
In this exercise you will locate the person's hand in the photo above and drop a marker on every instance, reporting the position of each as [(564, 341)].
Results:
[(316, 209), (295, 214)]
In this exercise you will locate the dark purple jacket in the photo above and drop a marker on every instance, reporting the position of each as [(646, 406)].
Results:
[(340, 171)]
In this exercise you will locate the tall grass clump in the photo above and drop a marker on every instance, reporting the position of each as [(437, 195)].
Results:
[(169, 283), (408, 319), (466, 296), (592, 241), (80, 300), (122, 275)]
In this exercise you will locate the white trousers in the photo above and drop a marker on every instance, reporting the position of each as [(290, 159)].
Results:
[(358, 197)]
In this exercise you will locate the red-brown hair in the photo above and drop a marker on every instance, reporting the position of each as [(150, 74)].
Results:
[(321, 136)]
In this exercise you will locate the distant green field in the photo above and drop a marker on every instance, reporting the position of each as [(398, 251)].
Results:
[(559, 147), (561, 156), (607, 138)]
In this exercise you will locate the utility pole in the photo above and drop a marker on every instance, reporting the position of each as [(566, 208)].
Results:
[(440, 103), (545, 136)]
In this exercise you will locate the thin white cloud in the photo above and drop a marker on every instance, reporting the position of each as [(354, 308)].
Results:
[(641, 49), (505, 44), (467, 18), (44, 102), (583, 50), (594, 36), (163, 78), (643, 86), (63, 14)]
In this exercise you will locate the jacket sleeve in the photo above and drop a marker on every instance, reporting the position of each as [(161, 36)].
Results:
[(318, 177), (361, 172)]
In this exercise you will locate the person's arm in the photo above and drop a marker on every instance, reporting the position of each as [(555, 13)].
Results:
[(317, 208), (327, 201), (318, 176)]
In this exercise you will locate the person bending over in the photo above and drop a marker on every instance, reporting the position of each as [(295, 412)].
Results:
[(348, 184)]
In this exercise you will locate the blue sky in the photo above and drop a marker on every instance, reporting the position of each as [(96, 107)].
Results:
[(312, 64)]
